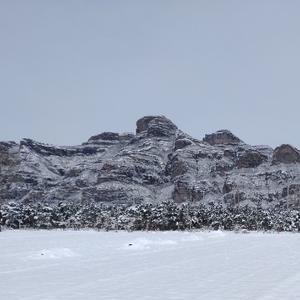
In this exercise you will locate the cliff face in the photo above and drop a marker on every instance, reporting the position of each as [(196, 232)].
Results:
[(158, 163)]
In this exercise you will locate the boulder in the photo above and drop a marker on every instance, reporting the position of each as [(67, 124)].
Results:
[(250, 159), (157, 126), (286, 154), (222, 137)]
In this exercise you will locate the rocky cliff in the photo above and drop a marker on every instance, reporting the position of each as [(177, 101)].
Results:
[(159, 162)]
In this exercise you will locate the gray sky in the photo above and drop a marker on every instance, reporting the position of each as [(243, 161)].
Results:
[(71, 69)]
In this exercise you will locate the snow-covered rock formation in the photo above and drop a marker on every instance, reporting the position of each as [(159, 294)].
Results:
[(158, 163)]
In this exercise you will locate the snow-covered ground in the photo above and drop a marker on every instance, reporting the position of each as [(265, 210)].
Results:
[(89, 265)]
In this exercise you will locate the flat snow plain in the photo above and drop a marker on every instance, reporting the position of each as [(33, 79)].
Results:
[(90, 265)]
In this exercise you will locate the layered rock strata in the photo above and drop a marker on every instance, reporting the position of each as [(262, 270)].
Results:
[(159, 162)]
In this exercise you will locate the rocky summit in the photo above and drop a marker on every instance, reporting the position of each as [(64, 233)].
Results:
[(157, 163)]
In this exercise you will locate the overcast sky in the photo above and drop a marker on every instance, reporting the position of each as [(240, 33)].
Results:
[(72, 69)]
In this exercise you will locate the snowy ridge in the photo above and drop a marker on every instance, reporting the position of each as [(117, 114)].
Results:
[(158, 163)]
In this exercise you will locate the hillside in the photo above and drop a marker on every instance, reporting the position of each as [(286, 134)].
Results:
[(157, 163)]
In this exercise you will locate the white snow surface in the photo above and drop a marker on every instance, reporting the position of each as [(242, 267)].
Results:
[(90, 265)]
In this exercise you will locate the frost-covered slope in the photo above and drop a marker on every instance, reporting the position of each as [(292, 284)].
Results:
[(65, 265), (159, 162)]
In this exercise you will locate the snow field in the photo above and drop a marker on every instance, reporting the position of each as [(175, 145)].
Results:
[(90, 265)]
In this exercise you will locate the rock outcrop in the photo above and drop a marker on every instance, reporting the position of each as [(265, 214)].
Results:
[(158, 126), (159, 162), (222, 137), (250, 159), (286, 154)]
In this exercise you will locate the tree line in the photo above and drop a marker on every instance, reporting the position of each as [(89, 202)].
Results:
[(160, 216)]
